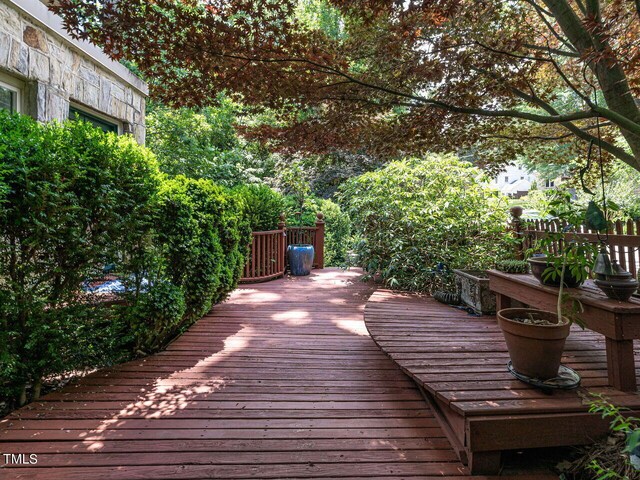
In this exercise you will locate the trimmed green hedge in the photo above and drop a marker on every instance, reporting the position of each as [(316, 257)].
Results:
[(74, 199), (262, 206)]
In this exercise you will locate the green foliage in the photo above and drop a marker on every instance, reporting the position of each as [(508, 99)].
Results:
[(625, 437), (203, 143), (297, 185), (513, 266), (72, 193), (156, 312), (327, 172), (337, 238), (537, 200), (419, 217), (262, 206), (77, 199), (320, 15), (622, 190), (204, 237)]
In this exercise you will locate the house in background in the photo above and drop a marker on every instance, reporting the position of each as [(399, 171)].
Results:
[(48, 75), (515, 181)]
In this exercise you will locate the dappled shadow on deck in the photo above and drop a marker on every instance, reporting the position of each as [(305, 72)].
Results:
[(280, 381)]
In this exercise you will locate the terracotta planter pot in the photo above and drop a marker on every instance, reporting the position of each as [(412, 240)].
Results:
[(535, 350)]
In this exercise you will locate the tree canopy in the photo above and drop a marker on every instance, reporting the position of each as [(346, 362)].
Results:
[(393, 77)]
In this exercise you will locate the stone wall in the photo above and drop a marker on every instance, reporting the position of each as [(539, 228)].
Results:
[(57, 70)]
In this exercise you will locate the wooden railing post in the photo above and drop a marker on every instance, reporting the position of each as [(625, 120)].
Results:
[(516, 229), (320, 240), (282, 260)]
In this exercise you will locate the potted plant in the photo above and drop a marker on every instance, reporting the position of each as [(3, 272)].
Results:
[(562, 257), (536, 338), (300, 255), (513, 266)]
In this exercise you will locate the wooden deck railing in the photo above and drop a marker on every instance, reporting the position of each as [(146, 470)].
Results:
[(623, 238), (268, 250), (266, 256)]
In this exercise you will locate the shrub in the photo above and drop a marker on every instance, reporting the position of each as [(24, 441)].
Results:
[(157, 313), (72, 191), (420, 218), (76, 199), (262, 206), (204, 239)]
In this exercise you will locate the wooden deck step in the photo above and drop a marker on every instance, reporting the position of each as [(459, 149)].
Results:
[(460, 361)]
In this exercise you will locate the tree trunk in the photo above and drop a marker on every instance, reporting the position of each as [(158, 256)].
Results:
[(22, 397), (37, 389), (607, 70)]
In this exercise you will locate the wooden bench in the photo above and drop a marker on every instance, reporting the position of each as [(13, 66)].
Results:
[(618, 321)]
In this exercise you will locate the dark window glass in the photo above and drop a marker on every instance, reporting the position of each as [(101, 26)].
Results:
[(7, 99), (75, 114)]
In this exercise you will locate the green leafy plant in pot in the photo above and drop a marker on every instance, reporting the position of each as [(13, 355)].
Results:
[(566, 258), (300, 255), (536, 338)]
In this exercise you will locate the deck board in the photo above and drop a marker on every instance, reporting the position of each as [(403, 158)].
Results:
[(460, 362), (280, 381)]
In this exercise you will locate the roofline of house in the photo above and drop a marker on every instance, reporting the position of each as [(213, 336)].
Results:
[(37, 11)]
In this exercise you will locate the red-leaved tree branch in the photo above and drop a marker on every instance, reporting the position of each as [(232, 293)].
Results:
[(398, 77)]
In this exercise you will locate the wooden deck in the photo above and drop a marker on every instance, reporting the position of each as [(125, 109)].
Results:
[(460, 362), (280, 381)]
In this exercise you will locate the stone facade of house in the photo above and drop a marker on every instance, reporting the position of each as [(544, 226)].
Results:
[(51, 72)]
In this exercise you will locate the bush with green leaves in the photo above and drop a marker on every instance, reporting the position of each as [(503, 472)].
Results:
[(203, 143), (158, 311), (77, 199), (72, 192), (204, 236), (262, 206), (420, 218)]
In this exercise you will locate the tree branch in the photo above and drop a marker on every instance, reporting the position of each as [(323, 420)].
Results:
[(555, 51), (541, 13), (618, 119), (546, 119), (578, 132)]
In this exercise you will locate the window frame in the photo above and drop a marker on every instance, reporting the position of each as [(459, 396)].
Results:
[(17, 87), (98, 116)]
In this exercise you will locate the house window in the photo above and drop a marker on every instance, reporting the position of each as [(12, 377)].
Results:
[(506, 179), (9, 94), (549, 183), (97, 121)]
